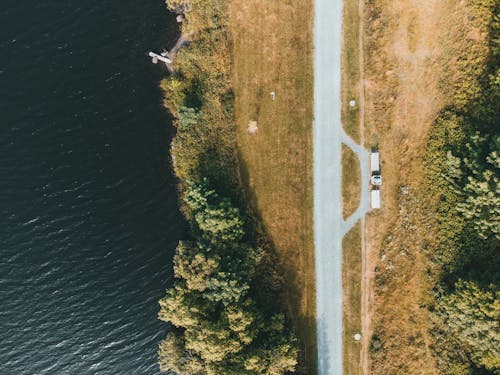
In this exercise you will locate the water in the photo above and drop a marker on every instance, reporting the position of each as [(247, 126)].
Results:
[(88, 208)]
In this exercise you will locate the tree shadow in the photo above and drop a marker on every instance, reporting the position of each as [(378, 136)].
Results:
[(278, 281)]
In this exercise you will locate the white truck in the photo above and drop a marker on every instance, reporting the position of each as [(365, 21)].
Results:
[(376, 178), (375, 198)]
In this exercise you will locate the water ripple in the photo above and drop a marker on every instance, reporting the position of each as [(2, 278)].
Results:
[(88, 210)]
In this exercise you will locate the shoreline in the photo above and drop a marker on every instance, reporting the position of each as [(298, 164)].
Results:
[(182, 41), (225, 285)]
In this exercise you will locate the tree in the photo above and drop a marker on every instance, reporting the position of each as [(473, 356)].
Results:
[(472, 314), (212, 341), (173, 356), (220, 330), (476, 176), (181, 307), (218, 221), (241, 322), (195, 264)]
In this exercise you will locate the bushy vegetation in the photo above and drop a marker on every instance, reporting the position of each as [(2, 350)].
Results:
[(471, 313), (224, 306), (200, 97), (475, 176), (220, 329), (463, 163)]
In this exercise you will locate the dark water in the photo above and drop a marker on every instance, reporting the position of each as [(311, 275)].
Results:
[(88, 209)]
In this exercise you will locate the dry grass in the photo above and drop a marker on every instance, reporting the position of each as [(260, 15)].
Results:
[(350, 84), (272, 52), (408, 45), (351, 181), (402, 280), (352, 118), (351, 280)]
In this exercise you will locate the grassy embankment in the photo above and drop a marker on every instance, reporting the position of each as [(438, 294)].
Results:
[(272, 52), (226, 305), (351, 176), (420, 58), (351, 180), (351, 280)]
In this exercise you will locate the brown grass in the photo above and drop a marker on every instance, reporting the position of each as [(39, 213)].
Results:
[(272, 52), (352, 246), (408, 74), (351, 181), (351, 280), (351, 69)]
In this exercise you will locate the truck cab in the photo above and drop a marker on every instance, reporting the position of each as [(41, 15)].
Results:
[(376, 180)]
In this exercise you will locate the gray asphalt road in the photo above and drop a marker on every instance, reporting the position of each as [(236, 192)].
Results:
[(329, 227)]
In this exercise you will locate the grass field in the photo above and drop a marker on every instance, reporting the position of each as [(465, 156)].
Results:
[(351, 181), (350, 86), (409, 79), (351, 280), (403, 98), (272, 52)]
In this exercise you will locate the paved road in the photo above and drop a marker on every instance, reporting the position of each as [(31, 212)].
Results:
[(329, 227)]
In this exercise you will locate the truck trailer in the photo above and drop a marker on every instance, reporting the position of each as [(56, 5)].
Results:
[(375, 162), (375, 198), (376, 178)]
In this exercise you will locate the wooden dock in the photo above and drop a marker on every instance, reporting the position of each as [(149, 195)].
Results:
[(168, 57)]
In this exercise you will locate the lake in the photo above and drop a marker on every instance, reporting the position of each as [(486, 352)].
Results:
[(89, 209)]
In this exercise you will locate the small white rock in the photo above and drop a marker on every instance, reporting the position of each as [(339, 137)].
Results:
[(352, 103)]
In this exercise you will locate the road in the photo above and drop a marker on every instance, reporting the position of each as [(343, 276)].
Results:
[(329, 226)]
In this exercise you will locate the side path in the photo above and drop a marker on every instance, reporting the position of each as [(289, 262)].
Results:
[(364, 203)]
